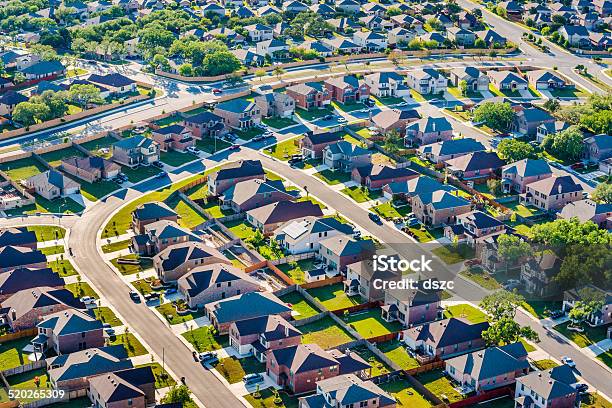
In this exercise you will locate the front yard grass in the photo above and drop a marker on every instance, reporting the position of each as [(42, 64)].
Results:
[(594, 401), (170, 314), (370, 323), (95, 191), (162, 378), (300, 305), (296, 270), (23, 168), (209, 145), (140, 173), (568, 92), (47, 232), (544, 364), (436, 382), (606, 358), (325, 332), (130, 343), (388, 211), (452, 254), (590, 336), (314, 113), (284, 150), (465, 311), (267, 396), (348, 107), (233, 369), (279, 123), (52, 250), (82, 289), (175, 159), (361, 194), (333, 177), (106, 315), (129, 269), (397, 353), (405, 394), (116, 246), (333, 297), (541, 308), (142, 286), (63, 267), (481, 278), (249, 133), (11, 354), (204, 339)]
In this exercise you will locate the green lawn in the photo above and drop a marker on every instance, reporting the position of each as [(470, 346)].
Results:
[(325, 332), (189, 217), (11, 355), (314, 113), (23, 168), (28, 381), (333, 177), (541, 308), (82, 289), (279, 123), (361, 194), (388, 211), (203, 339), (371, 324), (396, 351), (284, 150), (390, 100), (116, 246), (95, 146), (55, 158), (452, 254), (296, 270), (142, 286), (527, 346), (63, 267), (130, 343), (198, 192), (456, 92), (129, 269), (208, 144), (176, 159), (233, 369), (162, 378), (606, 358), (422, 234), (333, 297), (522, 210), (378, 367), (482, 278), (545, 364), (241, 228), (299, 304), (465, 311), (47, 232), (52, 250), (106, 315), (436, 382), (214, 209), (169, 312), (594, 401), (249, 133), (95, 191), (405, 394), (348, 107), (590, 336), (140, 173), (266, 398), (568, 93)]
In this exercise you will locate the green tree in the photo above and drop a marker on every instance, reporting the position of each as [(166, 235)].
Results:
[(565, 145), (552, 105), (29, 113), (220, 63), (562, 233), (463, 87), (501, 304), (393, 141), (84, 94), (179, 394), (496, 115), (278, 72), (480, 43), (507, 331), (494, 186), (602, 193), (186, 69), (513, 150), (512, 248)]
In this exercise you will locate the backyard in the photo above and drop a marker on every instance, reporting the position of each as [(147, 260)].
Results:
[(377, 366), (296, 270), (189, 217), (23, 168), (205, 339), (55, 157), (440, 385), (405, 394), (11, 354), (324, 332), (396, 352), (100, 147), (28, 381), (333, 297), (465, 311), (240, 228), (299, 305), (370, 324)]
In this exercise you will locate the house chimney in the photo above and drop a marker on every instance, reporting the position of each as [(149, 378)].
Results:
[(559, 189)]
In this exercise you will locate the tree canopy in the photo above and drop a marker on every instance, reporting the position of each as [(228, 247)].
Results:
[(496, 115)]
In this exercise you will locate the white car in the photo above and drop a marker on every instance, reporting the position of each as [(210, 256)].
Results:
[(568, 362), (193, 150)]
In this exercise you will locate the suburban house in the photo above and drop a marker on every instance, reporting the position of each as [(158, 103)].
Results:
[(275, 104), (52, 184), (537, 274), (208, 283), (597, 148), (399, 35), (600, 317), (345, 156), (552, 193), (576, 36), (528, 120), (136, 150), (411, 306), (312, 145), (439, 207), (204, 124), (133, 387), (304, 235), (234, 173), (160, 235), (9, 100), (26, 308), (347, 89), (516, 176), (348, 6), (544, 79), (360, 277), (239, 113), (259, 335), (300, 367), (427, 131), (72, 372), (473, 228), (90, 169), (44, 70), (347, 390), (476, 80), (492, 38), (411, 188), (507, 81), (375, 176), (149, 213), (588, 210), (370, 40), (249, 194), (338, 251), (440, 152), (174, 137), (475, 165), (116, 83), (276, 48), (259, 32), (18, 236), (22, 278), (426, 81), (394, 119), (387, 84), (487, 369), (12, 257), (177, 260), (461, 36), (269, 217), (309, 95), (445, 339), (549, 388), (222, 313), (68, 331)]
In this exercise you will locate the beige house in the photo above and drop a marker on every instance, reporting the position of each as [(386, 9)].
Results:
[(52, 184), (239, 113), (177, 260), (275, 104), (90, 169), (552, 193)]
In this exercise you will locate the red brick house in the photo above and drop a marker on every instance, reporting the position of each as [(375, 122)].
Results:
[(68, 331), (173, 137), (375, 176), (312, 145), (347, 89), (309, 95), (260, 335), (149, 213), (205, 124)]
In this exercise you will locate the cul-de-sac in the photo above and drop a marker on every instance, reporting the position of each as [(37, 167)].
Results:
[(306, 203)]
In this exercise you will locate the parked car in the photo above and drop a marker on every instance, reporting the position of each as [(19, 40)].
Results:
[(568, 361), (110, 331), (259, 138), (341, 119), (328, 117), (87, 300), (375, 218), (582, 388), (217, 91), (194, 150), (268, 134), (170, 291), (250, 379), (234, 147), (208, 357), (135, 296), (369, 102), (158, 164), (161, 174)]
